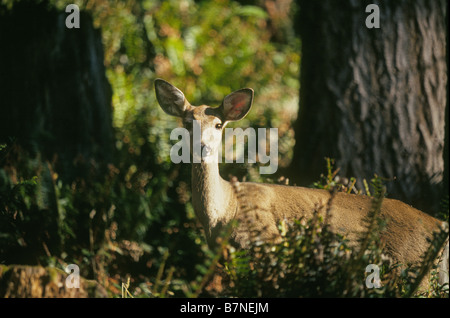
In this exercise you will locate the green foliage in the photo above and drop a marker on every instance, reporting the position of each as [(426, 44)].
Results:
[(138, 207), (132, 221), (332, 181), (312, 261)]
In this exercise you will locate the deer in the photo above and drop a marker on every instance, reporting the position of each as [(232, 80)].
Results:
[(407, 233)]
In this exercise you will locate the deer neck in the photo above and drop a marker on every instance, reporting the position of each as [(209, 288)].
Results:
[(212, 197)]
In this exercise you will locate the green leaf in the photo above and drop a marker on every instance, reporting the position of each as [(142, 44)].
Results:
[(251, 11)]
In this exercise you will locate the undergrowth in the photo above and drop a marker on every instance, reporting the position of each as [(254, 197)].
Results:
[(312, 261), (37, 215)]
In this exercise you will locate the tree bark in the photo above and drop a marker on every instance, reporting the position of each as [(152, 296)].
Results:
[(56, 119), (446, 138), (374, 99), (56, 100)]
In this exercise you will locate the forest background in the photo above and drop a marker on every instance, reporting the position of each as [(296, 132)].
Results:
[(85, 170)]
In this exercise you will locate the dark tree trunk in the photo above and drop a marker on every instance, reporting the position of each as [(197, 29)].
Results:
[(56, 115), (55, 98), (374, 99), (446, 155)]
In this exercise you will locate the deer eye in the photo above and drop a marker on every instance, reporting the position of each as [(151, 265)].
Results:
[(219, 126)]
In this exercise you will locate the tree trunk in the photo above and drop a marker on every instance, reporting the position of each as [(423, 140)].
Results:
[(55, 98), (56, 119), (374, 99), (446, 155)]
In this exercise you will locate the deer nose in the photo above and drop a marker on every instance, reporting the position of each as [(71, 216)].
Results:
[(206, 150)]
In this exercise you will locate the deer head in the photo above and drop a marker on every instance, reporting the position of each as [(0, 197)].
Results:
[(208, 121)]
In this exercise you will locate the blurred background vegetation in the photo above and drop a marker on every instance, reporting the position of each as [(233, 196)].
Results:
[(98, 189), (124, 221)]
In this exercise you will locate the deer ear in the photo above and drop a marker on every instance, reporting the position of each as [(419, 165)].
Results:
[(170, 98), (237, 104)]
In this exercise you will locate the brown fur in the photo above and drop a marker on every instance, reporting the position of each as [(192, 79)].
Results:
[(216, 203)]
